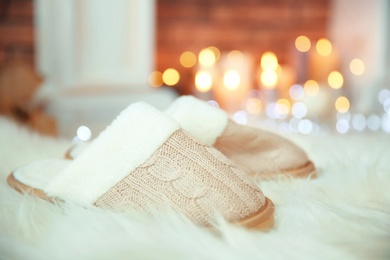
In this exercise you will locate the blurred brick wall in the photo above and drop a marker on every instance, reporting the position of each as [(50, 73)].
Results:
[(16, 30), (254, 26)]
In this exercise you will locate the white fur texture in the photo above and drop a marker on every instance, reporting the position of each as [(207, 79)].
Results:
[(203, 121), (344, 214), (129, 141)]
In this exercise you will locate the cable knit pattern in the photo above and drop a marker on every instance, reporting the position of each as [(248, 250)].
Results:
[(189, 177)]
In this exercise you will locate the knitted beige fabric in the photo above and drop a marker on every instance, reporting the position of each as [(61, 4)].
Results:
[(188, 177)]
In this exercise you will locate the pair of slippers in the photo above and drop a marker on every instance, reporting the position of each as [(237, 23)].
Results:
[(191, 159)]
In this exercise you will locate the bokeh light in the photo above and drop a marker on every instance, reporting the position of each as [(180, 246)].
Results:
[(311, 87), (357, 67), (269, 61), (342, 126), (216, 51), (84, 133), (342, 104), (213, 103), (231, 79), (305, 126), (203, 81), (383, 95), (374, 122), (296, 92), (359, 122), (335, 80), (282, 106), (206, 57), (269, 78), (187, 59), (299, 110), (253, 105), (324, 47), (240, 117), (170, 77), (235, 55), (155, 79), (302, 43)]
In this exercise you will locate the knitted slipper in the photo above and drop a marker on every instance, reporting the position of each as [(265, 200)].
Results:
[(145, 161), (260, 153)]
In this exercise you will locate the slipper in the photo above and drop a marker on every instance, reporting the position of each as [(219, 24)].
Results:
[(145, 161), (260, 153)]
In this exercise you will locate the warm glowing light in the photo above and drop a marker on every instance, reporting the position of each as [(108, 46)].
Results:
[(235, 55), (342, 104), (335, 80), (187, 59), (155, 79), (283, 106), (203, 81), (324, 47), (231, 79), (311, 87), (206, 57), (269, 78), (269, 61), (170, 77), (302, 43), (84, 133), (253, 105), (357, 67), (216, 51)]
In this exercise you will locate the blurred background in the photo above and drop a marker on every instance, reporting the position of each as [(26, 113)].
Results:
[(67, 68)]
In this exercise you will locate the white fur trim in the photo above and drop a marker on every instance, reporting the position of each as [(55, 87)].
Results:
[(129, 141), (201, 120), (39, 173)]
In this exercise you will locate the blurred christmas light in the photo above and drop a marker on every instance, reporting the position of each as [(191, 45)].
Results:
[(235, 55), (324, 47), (357, 67), (213, 103), (84, 133), (216, 51), (240, 117), (269, 61), (305, 126), (302, 43), (358, 122), (155, 79), (383, 95), (206, 57), (342, 104), (311, 87), (170, 77), (293, 124), (270, 110), (386, 123), (282, 106), (187, 59), (253, 105), (342, 126), (203, 81), (269, 78), (335, 80), (299, 110), (374, 122), (296, 92), (231, 79)]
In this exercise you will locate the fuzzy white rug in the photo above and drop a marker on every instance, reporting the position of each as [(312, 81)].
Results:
[(344, 214)]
